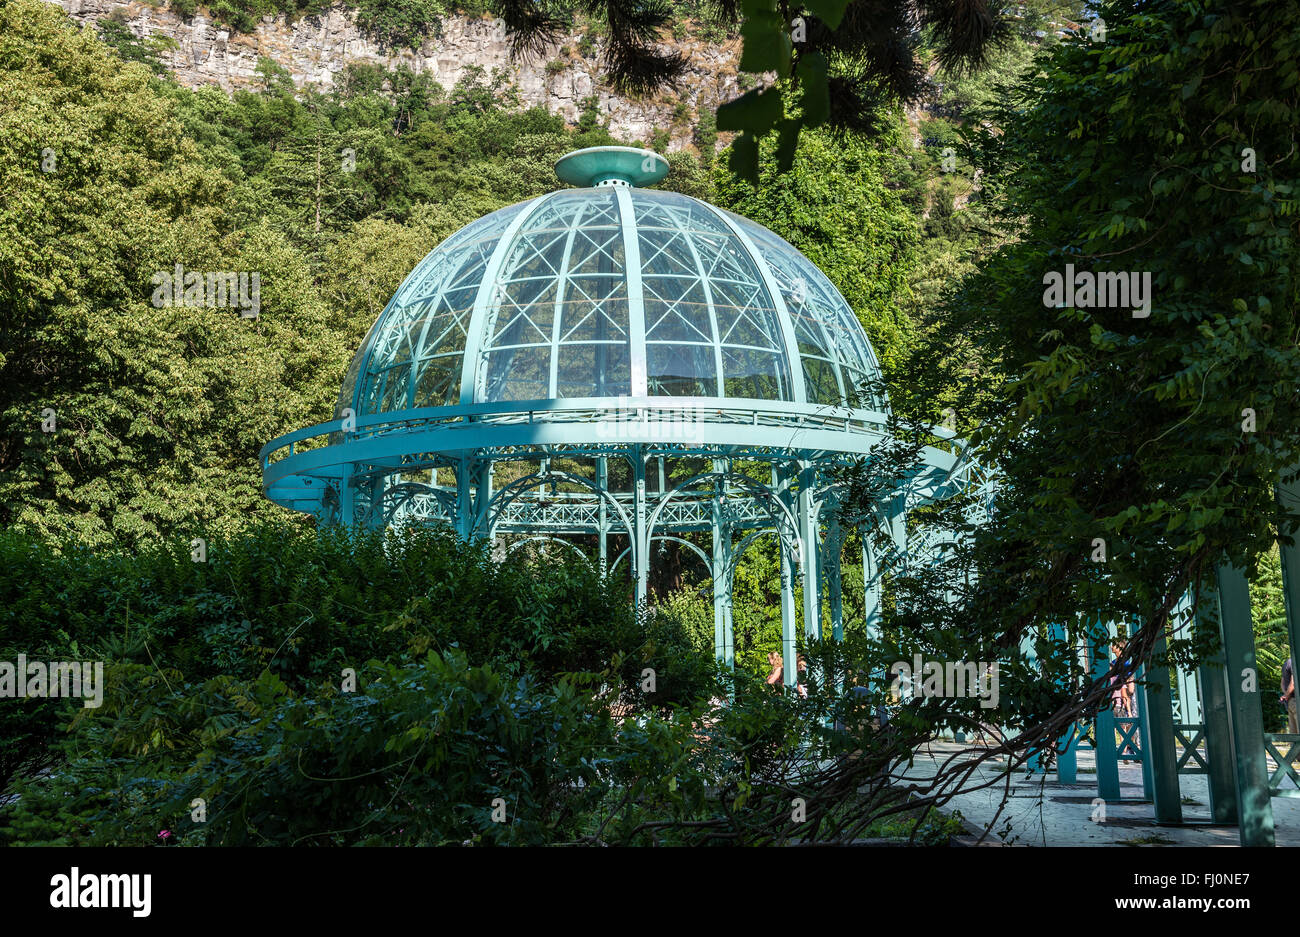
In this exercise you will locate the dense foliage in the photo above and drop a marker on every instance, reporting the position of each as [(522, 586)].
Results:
[(1117, 428), (277, 615)]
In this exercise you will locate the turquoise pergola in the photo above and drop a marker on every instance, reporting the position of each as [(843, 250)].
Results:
[(542, 370), (1206, 721)]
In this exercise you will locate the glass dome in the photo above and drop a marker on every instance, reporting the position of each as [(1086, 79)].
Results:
[(611, 291)]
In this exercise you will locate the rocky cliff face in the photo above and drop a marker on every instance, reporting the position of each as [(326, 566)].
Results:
[(316, 49)]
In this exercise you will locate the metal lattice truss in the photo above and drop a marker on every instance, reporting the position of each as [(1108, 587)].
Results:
[(597, 483)]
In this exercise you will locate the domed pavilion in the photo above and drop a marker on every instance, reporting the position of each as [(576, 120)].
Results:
[(544, 372)]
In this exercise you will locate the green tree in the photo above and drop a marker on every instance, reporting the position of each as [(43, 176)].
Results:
[(837, 207), (1120, 423), (153, 413)]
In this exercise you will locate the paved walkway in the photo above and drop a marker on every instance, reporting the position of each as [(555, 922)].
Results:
[(1040, 811)]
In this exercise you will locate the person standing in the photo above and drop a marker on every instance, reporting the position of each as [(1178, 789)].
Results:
[(1121, 685), (778, 669), (1288, 697)]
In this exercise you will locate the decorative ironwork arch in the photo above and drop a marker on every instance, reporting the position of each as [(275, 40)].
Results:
[(507, 495), (394, 497), (762, 495), (544, 538), (703, 557)]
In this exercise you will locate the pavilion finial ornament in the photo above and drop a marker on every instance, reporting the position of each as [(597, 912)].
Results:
[(611, 165)]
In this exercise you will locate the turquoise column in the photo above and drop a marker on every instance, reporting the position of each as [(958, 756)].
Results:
[(789, 615), (1244, 710), (1159, 748), (834, 588), (1104, 727), (464, 499), (347, 498), (871, 584), (602, 513), (808, 535), (719, 588), (789, 622), (1034, 762), (1067, 763), (1288, 498), (1221, 770), (481, 524), (1141, 734), (722, 637), (641, 546)]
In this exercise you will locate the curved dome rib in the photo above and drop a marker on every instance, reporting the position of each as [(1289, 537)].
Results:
[(491, 274), (797, 381)]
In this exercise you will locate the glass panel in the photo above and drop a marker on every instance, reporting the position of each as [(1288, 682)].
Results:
[(757, 374), (525, 312), (825, 326), (428, 314), (349, 388), (674, 212), (438, 383), (682, 370), (701, 286), (394, 387), (522, 374), (594, 371), (594, 309), (820, 383), (431, 274), (566, 262), (855, 391), (676, 310)]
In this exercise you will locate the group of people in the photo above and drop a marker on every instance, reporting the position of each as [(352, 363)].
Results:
[(1124, 700), (1123, 692), (777, 674)]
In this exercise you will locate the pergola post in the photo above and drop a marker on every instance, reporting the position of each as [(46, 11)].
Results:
[(831, 563), (1159, 750), (1218, 729), (1034, 758), (640, 536), (1288, 498), (347, 498), (789, 655), (1103, 732), (1141, 734), (602, 513), (722, 637), (871, 588), (1067, 761), (480, 473), (1245, 714), (464, 499), (808, 536), (789, 623)]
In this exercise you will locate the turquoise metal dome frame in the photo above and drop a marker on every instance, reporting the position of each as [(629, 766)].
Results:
[(587, 338)]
